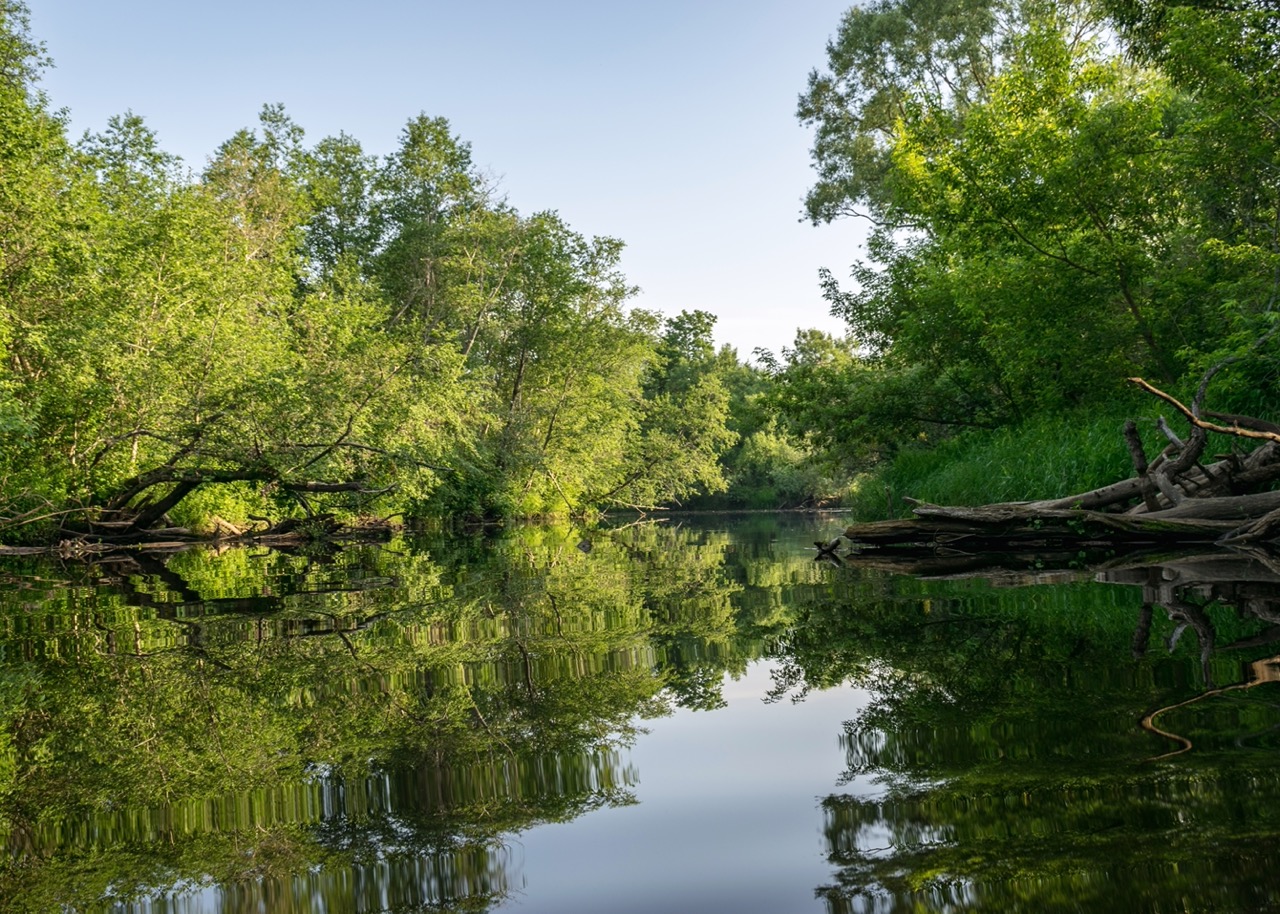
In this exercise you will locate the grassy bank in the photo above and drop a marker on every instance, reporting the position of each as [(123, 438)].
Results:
[(1044, 457)]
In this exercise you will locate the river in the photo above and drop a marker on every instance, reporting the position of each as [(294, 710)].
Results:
[(687, 715)]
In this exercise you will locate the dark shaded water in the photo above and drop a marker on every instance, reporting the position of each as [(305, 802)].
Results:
[(657, 717)]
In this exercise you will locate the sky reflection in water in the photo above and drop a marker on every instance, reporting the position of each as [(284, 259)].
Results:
[(729, 819)]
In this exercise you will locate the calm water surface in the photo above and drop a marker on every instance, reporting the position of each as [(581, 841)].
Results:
[(654, 717)]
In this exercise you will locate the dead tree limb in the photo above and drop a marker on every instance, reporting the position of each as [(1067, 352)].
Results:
[(1238, 429), (1138, 455)]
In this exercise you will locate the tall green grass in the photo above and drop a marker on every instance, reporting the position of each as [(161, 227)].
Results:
[(1044, 457)]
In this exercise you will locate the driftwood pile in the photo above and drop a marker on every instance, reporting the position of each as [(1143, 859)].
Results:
[(1176, 500)]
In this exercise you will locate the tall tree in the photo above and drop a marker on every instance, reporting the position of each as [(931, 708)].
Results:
[(682, 430), (46, 209), (1225, 58), (425, 184), (887, 56), (1030, 203), (339, 181)]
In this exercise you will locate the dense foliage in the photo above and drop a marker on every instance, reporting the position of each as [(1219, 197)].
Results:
[(1063, 195), (304, 328)]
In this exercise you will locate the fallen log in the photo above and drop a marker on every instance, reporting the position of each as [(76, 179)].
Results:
[(1263, 529), (1024, 534), (1234, 474), (1006, 528), (1172, 501), (1233, 508)]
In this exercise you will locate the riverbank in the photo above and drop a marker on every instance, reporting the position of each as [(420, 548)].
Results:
[(1045, 457)]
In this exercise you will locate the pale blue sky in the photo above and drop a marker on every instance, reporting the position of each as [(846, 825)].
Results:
[(668, 125)]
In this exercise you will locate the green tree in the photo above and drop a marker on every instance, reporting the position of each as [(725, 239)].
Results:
[(1223, 57), (887, 56), (428, 181), (681, 429), (298, 331), (567, 362), (339, 180), (1045, 211), (44, 202)]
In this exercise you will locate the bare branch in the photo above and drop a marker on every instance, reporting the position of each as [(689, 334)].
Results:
[(1239, 431), (1170, 433)]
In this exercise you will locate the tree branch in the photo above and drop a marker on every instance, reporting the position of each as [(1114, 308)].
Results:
[(1239, 431)]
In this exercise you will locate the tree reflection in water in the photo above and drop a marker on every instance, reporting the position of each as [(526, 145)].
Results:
[(1007, 735), (362, 730), (373, 729)]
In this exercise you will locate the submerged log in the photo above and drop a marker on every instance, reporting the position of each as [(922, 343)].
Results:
[(828, 548)]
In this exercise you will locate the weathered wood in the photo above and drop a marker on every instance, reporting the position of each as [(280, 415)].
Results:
[(961, 538), (1230, 507), (1250, 422), (224, 528), (1266, 527), (1073, 522), (1138, 455), (1253, 429), (1258, 468), (1167, 488), (1114, 494)]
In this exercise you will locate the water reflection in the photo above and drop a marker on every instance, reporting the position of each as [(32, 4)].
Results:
[(362, 730), (1022, 737), (382, 727)]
